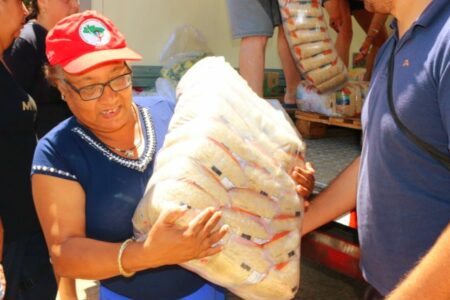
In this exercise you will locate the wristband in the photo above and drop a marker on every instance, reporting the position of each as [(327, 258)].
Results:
[(119, 258)]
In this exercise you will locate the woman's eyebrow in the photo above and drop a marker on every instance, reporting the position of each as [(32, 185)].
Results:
[(89, 78)]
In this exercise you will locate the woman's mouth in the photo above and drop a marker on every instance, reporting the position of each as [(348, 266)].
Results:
[(110, 113)]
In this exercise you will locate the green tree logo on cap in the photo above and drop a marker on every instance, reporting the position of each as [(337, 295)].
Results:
[(94, 33), (97, 31)]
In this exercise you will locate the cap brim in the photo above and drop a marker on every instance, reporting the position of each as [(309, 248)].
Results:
[(92, 59)]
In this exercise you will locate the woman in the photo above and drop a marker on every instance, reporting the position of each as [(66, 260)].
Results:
[(90, 172), (26, 59), (25, 259)]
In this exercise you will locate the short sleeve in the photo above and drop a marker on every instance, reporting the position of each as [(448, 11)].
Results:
[(47, 160)]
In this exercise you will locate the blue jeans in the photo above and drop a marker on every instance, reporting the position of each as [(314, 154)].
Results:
[(206, 292)]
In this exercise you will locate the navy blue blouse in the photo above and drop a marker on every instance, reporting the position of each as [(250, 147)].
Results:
[(113, 186)]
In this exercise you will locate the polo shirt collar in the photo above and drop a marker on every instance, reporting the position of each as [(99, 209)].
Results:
[(425, 19), (431, 12)]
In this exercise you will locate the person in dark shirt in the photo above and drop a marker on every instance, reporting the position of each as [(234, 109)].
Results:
[(26, 59), (25, 259)]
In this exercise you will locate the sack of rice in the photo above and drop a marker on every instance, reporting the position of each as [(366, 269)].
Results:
[(229, 149), (310, 45)]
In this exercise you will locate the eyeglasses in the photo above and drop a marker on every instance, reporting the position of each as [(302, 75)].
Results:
[(95, 91)]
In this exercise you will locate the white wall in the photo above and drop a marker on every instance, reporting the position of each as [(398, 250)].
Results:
[(147, 25)]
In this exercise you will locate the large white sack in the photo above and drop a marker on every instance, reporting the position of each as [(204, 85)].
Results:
[(311, 45), (230, 149)]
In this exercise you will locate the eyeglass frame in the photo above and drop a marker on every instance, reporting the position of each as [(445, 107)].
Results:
[(103, 85)]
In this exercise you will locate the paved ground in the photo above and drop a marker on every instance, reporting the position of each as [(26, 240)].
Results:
[(332, 153)]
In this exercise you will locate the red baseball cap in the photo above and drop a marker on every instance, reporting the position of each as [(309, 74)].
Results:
[(84, 40)]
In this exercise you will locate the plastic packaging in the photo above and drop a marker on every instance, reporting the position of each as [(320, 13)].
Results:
[(345, 102), (363, 87), (166, 89), (185, 47), (310, 100), (310, 43), (230, 149)]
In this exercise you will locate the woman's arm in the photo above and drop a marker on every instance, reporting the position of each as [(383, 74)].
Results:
[(60, 205)]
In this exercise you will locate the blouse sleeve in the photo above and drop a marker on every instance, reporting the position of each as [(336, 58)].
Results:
[(48, 160)]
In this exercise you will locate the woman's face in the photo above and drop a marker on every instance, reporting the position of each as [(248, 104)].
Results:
[(12, 18), (106, 114), (56, 10)]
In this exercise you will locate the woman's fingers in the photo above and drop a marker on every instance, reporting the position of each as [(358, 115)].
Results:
[(212, 241), (169, 216), (210, 251), (199, 221), (211, 224), (217, 235)]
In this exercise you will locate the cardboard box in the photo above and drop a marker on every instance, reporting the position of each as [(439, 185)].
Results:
[(272, 87)]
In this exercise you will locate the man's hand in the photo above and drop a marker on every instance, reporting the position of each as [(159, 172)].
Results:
[(304, 177), (334, 14)]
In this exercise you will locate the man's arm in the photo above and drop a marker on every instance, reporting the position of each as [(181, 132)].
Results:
[(337, 199), (430, 279)]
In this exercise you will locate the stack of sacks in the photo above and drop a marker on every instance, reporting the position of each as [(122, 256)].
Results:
[(311, 45), (229, 149)]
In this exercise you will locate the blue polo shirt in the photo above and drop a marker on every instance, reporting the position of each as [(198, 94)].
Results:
[(403, 193)]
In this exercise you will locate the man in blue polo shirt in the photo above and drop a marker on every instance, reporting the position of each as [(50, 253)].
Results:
[(402, 193)]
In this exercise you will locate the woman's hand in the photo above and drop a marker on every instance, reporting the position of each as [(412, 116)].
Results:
[(176, 244), (304, 177)]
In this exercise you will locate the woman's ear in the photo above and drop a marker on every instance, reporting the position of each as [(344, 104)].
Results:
[(42, 5), (62, 88)]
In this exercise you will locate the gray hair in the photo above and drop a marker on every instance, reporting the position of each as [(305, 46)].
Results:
[(53, 73)]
